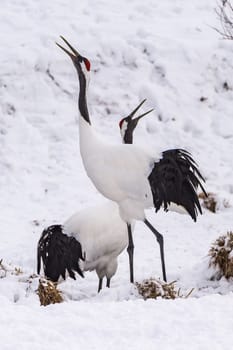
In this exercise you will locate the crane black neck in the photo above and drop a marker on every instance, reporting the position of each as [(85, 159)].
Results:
[(127, 129), (128, 137), (82, 101)]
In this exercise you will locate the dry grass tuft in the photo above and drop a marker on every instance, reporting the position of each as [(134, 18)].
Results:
[(152, 289), (209, 202), (48, 292), (221, 256), (8, 268), (3, 270), (213, 202)]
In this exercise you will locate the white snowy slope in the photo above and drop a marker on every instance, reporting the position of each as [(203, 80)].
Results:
[(165, 51)]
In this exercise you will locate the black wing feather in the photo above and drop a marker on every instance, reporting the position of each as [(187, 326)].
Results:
[(59, 253), (175, 178)]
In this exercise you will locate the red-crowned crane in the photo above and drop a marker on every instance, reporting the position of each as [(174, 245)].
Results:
[(130, 176), (96, 235), (91, 239)]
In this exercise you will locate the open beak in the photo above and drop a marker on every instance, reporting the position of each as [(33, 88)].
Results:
[(140, 116), (74, 54)]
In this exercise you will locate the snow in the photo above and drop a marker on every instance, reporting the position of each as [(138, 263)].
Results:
[(168, 53)]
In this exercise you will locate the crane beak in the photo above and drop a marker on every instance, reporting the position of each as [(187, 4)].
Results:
[(136, 109), (143, 115), (74, 54), (130, 116)]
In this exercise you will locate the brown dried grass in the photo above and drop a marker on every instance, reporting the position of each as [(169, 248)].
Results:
[(6, 269), (221, 256), (209, 202), (212, 202), (152, 289), (48, 292)]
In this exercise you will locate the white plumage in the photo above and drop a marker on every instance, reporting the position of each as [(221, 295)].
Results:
[(119, 172), (102, 235)]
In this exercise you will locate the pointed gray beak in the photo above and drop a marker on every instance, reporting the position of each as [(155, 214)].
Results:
[(136, 119), (74, 54)]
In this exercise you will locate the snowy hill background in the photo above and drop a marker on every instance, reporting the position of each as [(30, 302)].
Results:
[(165, 51)]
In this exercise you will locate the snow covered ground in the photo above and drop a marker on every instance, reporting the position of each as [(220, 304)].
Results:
[(165, 51)]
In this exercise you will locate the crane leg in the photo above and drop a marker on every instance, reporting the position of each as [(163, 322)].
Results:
[(159, 238), (100, 284), (108, 282), (130, 251)]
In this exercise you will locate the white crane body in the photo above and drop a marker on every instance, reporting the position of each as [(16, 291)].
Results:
[(102, 235), (91, 239), (127, 181)]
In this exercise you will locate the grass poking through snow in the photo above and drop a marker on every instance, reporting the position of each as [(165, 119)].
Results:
[(152, 289), (48, 292), (221, 256)]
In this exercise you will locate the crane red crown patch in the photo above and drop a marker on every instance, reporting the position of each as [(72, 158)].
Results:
[(121, 122), (87, 64)]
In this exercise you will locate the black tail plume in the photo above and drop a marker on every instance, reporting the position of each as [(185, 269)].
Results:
[(59, 253), (175, 178)]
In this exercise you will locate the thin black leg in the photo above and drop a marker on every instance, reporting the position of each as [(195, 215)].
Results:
[(159, 238), (130, 251), (108, 282), (100, 284)]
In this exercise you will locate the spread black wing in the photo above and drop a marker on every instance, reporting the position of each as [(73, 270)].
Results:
[(59, 253), (175, 178)]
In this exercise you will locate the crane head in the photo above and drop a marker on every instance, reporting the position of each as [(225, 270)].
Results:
[(128, 124), (80, 62)]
